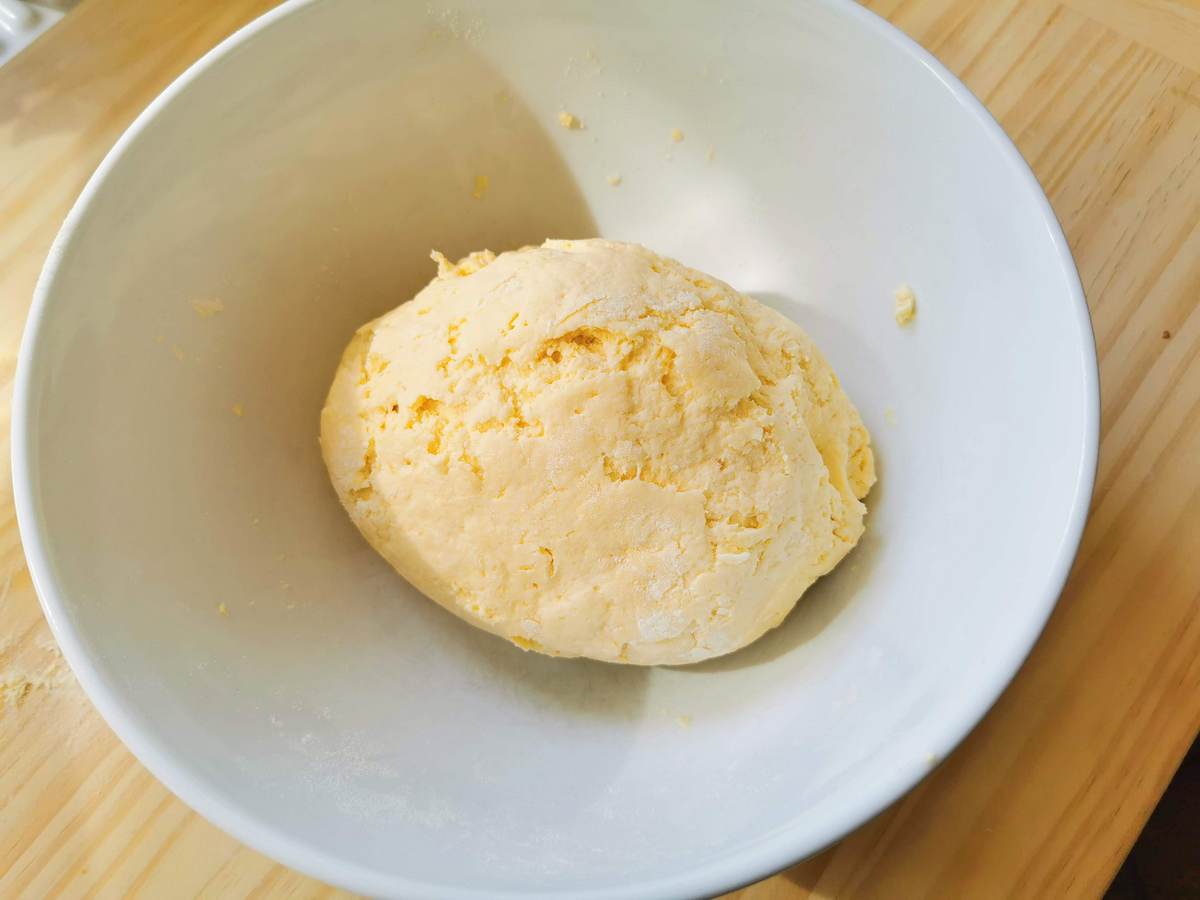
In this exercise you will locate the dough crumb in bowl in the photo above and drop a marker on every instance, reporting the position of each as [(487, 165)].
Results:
[(207, 307), (906, 304), (593, 450)]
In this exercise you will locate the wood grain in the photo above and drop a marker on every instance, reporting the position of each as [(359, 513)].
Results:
[(1047, 795)]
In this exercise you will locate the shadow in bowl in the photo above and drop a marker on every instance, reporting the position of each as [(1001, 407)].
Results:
[(583, 688)]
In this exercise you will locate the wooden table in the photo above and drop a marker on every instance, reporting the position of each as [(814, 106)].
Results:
[(1046, 797)]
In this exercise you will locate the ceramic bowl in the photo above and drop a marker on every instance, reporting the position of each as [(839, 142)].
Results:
[(236, 632)]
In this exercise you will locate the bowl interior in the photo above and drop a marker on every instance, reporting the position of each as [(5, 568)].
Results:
[(253, 650)]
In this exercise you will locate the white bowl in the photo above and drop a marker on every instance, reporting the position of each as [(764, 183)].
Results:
[(336, 720)]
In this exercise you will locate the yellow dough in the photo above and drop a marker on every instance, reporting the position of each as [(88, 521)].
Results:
[(592, 450)]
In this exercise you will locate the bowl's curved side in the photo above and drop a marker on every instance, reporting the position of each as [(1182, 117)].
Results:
[(104, 694), (776, 854)]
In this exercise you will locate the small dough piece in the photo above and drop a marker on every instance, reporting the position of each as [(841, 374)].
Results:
[(906, 304), (592, 450)]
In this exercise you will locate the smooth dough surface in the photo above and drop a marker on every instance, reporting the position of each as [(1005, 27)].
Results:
[(592, 450)]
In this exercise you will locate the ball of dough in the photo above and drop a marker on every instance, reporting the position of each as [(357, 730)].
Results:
[(592, 450)]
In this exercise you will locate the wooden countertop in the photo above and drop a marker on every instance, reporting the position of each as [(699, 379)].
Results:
[(1046, 797)]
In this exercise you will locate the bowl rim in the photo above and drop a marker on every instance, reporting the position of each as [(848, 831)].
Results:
[(756, 861)]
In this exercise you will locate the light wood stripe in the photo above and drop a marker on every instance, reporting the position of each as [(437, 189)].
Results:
[(1170, 28)]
